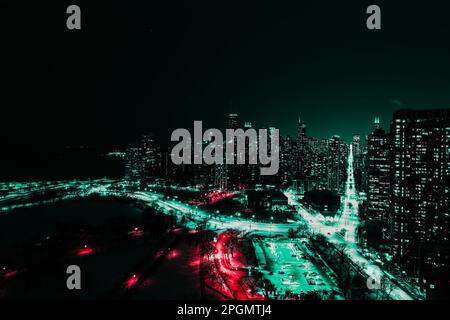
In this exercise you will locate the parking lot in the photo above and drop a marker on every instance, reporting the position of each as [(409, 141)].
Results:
[(289, 266)]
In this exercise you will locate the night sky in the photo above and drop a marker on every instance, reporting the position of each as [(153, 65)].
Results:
[(153, 67)]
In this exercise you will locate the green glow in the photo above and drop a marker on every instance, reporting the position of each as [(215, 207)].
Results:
[(281, 254)]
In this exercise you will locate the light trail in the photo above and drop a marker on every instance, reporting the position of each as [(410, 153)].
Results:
[(347, 220)]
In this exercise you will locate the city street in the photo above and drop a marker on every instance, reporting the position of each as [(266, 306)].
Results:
[(348, 222), (282, 256)]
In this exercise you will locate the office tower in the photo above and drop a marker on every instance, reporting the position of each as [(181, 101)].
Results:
[(378, 175), (302, 149), (363, 169), (421, 195), (283, 171), (165, 163), (356, 145), (318, 145), (220, 176), (133, 160), (288, 160), (319, 169), (357, 161), (233, 121), (232, 172), (337, 164), (249, 172), (319, 161), (150, 156), (376, 123)]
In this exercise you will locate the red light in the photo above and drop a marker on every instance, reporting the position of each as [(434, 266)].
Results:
[(136, 232), (173, 254), (216, 196), (9, 274), (231, 268), (84, 251), (131, 281)]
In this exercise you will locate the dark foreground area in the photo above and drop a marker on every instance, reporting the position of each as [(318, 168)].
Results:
[(115, 243)]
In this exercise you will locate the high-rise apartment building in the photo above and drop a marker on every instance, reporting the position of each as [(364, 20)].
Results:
[(421, 195), (337, 164), (378, 175)]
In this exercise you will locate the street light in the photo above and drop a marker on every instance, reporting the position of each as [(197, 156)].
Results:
[(271, 224)]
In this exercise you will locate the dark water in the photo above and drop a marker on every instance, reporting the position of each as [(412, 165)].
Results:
[(102, 272), (20, 225)]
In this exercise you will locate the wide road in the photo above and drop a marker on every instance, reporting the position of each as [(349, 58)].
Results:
[(347, 222)]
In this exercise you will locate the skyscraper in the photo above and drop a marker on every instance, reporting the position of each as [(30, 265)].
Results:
[(378, 175), (319, 161), (248, 173), (337, 163), (288, 160), (233, 121), (320, 169), (302, 149), (231, 173), (220, 176), (376, 122), (357, 162), (356, 145), (421, 195), (150, 156), (133, 161)]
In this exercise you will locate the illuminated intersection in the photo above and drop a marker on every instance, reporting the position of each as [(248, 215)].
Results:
[(347, 223)]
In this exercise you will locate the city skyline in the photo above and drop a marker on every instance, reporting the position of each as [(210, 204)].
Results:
[(47, 156), (381, 206), (325, 175)]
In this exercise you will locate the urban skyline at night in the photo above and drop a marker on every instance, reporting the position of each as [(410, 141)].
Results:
[(350, 196), (249, 155)]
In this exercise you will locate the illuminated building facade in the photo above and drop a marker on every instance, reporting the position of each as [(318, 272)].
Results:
[(302, 150), (421, 196), (320, 170), (319, 161), (150, 157), (248, 173), (288, 160), (378, 175), (133, 160), (232, 173), (358, 160), (356, 145), (337, 164)]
